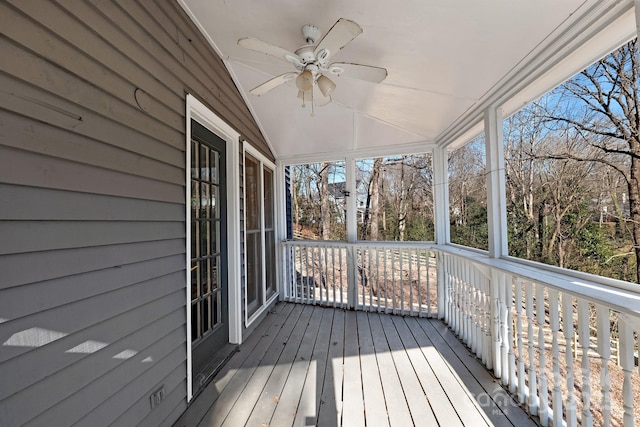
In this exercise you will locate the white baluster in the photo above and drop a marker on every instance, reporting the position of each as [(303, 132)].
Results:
[(521, 367), (378, 278), (583, 335), (567, 327), (477, 302), (626, 355), (385, 280), (467, 302), (334, 282), (446, 264), (461, 298), (510, 354), (504, 319), (410, 253), (419, 258), (473, 311), (486, 310), (495, 322), (554, 322), (401, 263), (454, 295), (604, 350), (533, 386), (543, 395)]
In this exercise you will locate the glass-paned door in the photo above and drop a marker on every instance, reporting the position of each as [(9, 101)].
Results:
[(209, 300)]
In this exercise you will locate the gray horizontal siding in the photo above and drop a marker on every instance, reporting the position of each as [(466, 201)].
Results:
[(34, 103), (92, 206), (49, 294), (28, 136), (21, 269), (25, 168), (34, 236), (113, 390), (68, 377), (33, 203)]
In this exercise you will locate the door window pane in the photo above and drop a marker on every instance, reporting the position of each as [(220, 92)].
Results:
[(252, 193), (268, 198), (205, 245), (254, 272), (270, 261)]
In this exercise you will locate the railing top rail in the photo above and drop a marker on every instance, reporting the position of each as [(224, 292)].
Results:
[(363, 244), (615, 294), (624, 299)]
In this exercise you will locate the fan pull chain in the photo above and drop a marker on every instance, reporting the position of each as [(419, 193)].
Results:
[(312, 112)]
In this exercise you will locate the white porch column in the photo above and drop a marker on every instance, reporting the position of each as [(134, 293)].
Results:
[(441, 210), (497, 223), (351, 200), (496, 187), (637, 9), (352, 231), (441, 195), (281, 229)]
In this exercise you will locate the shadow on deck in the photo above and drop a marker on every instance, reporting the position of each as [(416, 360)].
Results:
[(307, 365)]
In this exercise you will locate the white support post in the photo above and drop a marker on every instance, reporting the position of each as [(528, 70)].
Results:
[(282, 261), (352, 233), (351, 202), (637, 9), (496, 187), (497, 220), (441, 195), (441, 205)]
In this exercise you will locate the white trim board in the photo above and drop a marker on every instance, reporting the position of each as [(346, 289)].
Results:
[(202, 114)]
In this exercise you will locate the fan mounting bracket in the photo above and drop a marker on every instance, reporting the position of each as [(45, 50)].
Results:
[(310, 33)]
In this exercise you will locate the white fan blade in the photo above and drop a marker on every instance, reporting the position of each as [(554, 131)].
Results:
[(342, 32), (358, 71), (272, 84), (318, 98), (269, 49)]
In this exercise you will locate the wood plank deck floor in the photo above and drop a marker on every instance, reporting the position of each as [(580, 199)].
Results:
[(307, 365)]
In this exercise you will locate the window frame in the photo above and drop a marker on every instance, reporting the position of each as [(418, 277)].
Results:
[(263, 163)]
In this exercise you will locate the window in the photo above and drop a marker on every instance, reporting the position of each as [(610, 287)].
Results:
[(468, 195), (319, 201), (395, 198), (571, 172), (260, 233)]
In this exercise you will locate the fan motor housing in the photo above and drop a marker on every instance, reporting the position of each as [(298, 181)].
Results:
[(306, 54)]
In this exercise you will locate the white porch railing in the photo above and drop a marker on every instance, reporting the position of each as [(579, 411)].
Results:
[(383, 277), (564, 345)]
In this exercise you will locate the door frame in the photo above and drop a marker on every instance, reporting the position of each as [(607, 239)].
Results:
[(199, 112)]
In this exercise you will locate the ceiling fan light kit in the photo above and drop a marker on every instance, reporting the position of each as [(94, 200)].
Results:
[(312, 61), (325, 85)]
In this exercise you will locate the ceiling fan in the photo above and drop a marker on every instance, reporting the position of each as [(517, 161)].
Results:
[(312, 62)]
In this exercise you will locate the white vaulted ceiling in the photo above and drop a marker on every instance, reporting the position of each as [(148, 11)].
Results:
[(446, 61)]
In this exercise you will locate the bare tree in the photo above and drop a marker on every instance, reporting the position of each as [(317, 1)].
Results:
[(607, 95), (371, 213), (325, 208)]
